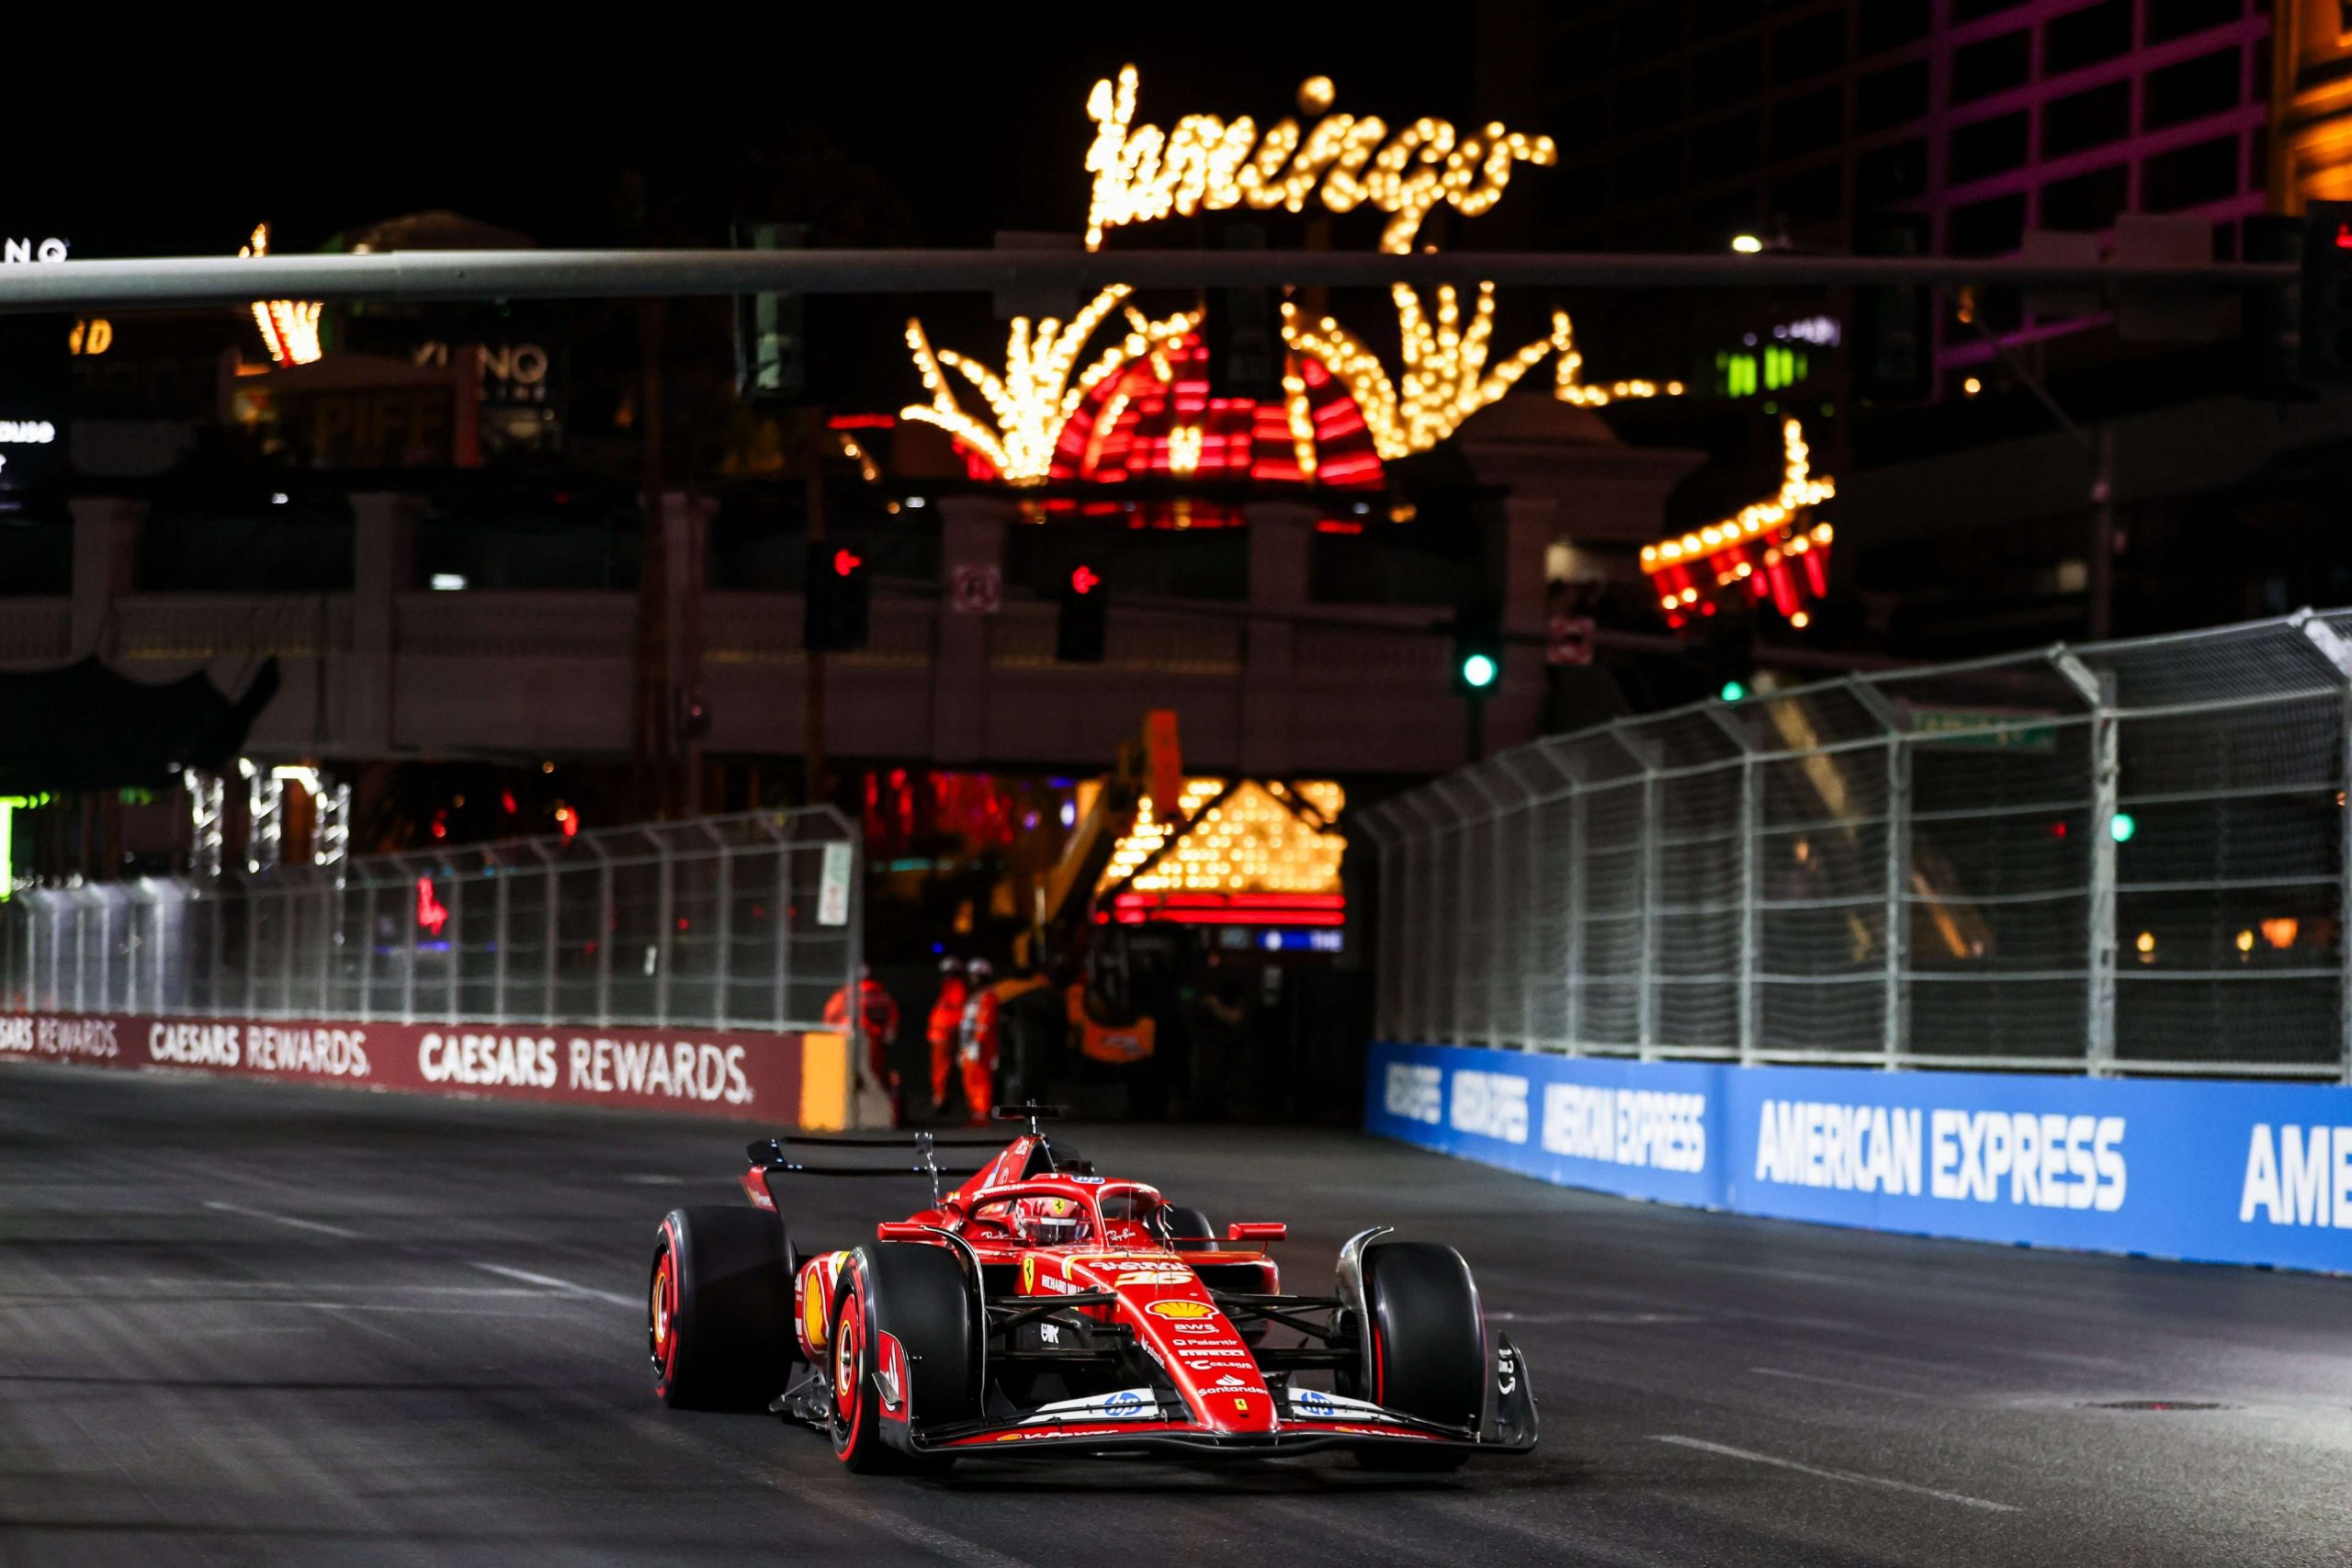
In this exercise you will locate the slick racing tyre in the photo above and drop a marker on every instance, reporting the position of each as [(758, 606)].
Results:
[(719, 1309), (1182, 1225), (919, 1295), (1428, 1346)]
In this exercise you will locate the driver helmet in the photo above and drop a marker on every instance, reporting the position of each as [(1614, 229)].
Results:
[(980, 970), (1050, 1222)]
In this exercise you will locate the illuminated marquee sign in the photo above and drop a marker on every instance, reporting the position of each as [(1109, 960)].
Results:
[(1210, 165), (1768, 548), (288, 327), (15, 253), (1054, 421)]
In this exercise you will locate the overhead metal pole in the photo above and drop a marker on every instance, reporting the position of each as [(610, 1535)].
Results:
[(574, 275)]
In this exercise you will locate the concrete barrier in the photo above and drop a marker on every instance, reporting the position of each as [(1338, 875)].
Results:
[(786, 1079), (2224, 1172)]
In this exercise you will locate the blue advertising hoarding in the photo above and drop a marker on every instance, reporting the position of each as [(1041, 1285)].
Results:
[(2217, 1172)]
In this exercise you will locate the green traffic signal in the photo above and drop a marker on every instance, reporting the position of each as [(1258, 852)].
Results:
[(1733, 691), (1478, 671), (2122, 827)]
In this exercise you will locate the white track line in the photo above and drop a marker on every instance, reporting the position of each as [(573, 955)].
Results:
[(1752, 1457), (565, 1286), (319, 1225), (1843, 1383)]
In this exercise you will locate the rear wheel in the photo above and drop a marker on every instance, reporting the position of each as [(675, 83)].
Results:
[(919, 1295), (719, 1309), (1428, 1346)]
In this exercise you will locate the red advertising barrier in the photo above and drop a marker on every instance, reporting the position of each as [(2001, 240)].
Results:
[(790, 1079)]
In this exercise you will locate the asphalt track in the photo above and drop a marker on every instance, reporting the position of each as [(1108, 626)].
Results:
[(253, 1323)]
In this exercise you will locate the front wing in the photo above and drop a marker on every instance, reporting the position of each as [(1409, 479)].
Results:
[(1313, 1421)]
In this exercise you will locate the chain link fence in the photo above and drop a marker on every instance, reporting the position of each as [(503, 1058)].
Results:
[(747, 921), (2115, 859)]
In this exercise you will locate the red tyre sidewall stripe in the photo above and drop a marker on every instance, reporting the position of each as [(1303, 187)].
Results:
[(666, 1267), (849, 1334)]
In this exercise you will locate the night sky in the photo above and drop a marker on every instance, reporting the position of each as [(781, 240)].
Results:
[(585, 135)]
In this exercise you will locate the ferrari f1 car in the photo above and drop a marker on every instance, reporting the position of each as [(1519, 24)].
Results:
[(1041, 1308)]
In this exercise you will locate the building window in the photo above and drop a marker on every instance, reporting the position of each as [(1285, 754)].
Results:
[(1733, 145), (1648, 172), (1807, 124), (1650, 99), (1989, 147), (1729, 74), (1580, 54), (1890, 24), (2189, 177), (1992, 65), (1985, 228), (1894, 97), (1809, 48), (2178, 18), (1889, 175), (1810, 195), (2088, 202), (1727, 16), (2086, 120), (2192, 89), (2085, 38), (1654, 30)]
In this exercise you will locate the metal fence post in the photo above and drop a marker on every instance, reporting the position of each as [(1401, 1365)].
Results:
[(1646, 979), (502, 907), (664, 920), (368, 953), (605, 924), (2098, 689), (721, 970), (1896, 1023), (1492, 957), (2338, 653), (456, 946)]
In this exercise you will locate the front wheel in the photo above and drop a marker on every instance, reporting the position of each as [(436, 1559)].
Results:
[(918, 1297), (1429, 1347)]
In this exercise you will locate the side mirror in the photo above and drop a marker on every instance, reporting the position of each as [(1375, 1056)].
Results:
[(1257, 1230), (904, 1230)]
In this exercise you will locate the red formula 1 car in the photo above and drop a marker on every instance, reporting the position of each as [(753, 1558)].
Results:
[(1043, 1309)]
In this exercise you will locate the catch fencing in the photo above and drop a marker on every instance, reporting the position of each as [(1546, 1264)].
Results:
[(738, 922), (2126, 858)]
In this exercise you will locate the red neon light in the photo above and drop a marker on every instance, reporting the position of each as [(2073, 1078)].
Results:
[(845, 562), (430, 914), (1083, 580), (2344, 236), (862, 422), (1231, 917), (1224, 900)]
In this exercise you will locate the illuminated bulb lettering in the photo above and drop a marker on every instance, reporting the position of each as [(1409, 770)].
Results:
[(1568, 374), (1208, 164)]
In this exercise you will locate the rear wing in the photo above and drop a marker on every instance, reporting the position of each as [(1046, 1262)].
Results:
[(775, 1155)]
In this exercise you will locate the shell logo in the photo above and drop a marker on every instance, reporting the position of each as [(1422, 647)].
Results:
[(1188, 1311)]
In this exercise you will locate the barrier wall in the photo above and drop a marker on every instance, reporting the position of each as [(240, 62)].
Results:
[(2216, 1172), (799, 1079)]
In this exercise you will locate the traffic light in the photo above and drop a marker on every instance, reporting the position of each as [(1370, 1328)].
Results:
[(1477, 646), (2327, 292), (1083, 623), (834, 611)]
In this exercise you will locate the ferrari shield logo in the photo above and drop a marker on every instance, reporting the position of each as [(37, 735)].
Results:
[(1029, 1275), (1241, 1404)]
